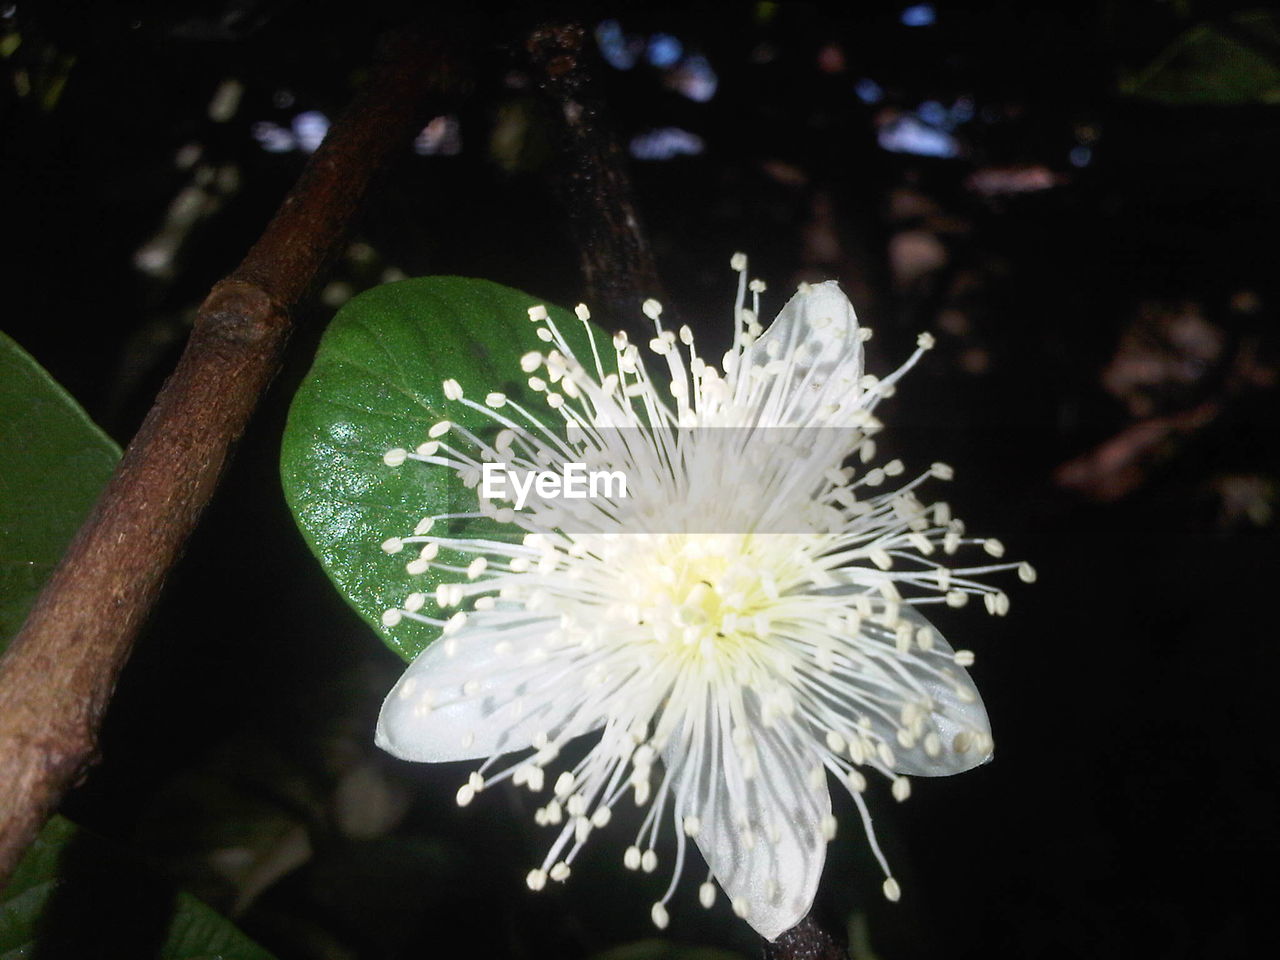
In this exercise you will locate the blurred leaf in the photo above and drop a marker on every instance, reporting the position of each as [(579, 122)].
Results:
[(376, 385), (53, 462), (664, 950), (859, 933), (1230, 63), (521, 140), (75, 895)]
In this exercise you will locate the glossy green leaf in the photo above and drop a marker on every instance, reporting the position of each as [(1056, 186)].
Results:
[(75, 895), (53, 462), (377, 384)]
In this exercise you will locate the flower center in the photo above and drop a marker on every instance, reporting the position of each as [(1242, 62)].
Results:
[(704, 598)]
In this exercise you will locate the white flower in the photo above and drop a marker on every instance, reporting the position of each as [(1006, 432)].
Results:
[(740, 626)]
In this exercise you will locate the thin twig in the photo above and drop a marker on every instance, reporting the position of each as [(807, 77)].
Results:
[(805, 941), (57, 676), (613, 251)]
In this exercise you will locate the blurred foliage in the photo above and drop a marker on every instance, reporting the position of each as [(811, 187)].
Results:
[(1233, 62), (76, 897), (664, 950)]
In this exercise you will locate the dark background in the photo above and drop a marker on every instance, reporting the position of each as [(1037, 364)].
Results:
[(1096, 256)]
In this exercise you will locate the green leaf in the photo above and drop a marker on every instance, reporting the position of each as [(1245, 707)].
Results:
[(75, 895), (1226, 63), (664, 950), (376, 384), (53, 463)]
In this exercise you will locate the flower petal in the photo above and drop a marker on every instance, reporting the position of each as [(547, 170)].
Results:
[(816, 336), (958, 716), (949, 705), (760, 805), (490, 688)]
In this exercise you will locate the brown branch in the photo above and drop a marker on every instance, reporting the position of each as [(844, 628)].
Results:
[(613, 251), (57, 676)]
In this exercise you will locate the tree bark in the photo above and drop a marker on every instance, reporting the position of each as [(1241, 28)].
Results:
[(58, 674)]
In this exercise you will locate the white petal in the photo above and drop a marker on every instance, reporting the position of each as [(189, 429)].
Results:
[(774, 871), (957, 709), (933, 676), (490, 688), (819, 321)]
